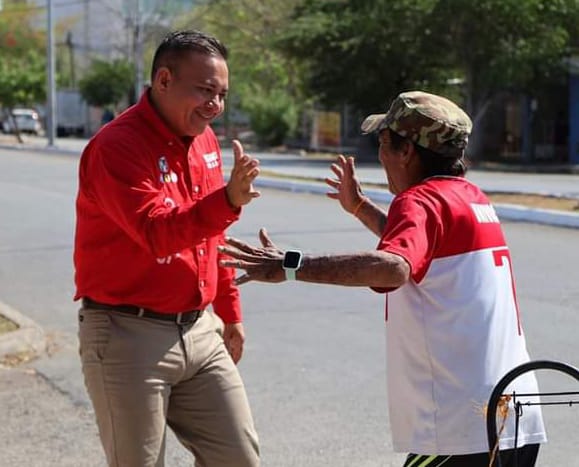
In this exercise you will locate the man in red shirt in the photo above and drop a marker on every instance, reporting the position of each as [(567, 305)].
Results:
[(152, 208)]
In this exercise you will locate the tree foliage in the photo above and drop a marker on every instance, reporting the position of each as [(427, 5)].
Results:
[(22, 61), (22, 83), (18, 34), (365, 52), (22, 80), (505, 44), (273, 115), (107, 83), (361, 53)]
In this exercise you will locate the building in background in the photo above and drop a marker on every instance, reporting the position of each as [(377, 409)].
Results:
[(103, 29)]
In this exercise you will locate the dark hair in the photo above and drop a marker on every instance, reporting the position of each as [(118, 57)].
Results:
[(433, 163), (177, 44)]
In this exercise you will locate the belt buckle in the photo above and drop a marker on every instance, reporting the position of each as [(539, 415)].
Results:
[(179, 319)]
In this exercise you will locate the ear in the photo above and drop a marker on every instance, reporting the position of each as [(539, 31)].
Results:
[(407, 153), (162, 79)]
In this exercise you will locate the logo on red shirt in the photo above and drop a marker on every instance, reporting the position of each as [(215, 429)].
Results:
[(211, 160), (167, 175)]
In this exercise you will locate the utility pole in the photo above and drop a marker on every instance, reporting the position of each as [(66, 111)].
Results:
[(86, 58), (50, 78), (86, 33), (70, 45), (139, 50)]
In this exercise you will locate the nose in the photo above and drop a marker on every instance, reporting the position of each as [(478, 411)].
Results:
[(212, 105), (213, 102)]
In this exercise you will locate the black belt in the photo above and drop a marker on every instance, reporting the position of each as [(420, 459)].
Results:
[(186, 317)]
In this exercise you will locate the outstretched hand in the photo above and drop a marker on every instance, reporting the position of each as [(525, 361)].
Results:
[(262, 264), (348, 191), (245, 169)]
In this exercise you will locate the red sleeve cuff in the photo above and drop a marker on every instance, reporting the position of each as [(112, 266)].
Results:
[(229, 314)]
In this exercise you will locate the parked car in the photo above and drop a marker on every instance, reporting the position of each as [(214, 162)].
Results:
[(27, 120)]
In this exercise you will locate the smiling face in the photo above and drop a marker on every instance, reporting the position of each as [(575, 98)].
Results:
[(191, 94)]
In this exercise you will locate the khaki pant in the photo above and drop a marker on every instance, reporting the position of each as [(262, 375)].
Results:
[(144, 374)]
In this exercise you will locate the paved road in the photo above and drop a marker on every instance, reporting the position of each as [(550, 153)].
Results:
[(314, 363)]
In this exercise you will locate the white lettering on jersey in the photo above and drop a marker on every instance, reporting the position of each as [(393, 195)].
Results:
[(211, 160), (484, 213)]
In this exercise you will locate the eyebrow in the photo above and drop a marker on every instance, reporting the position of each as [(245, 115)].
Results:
[(212, 84)]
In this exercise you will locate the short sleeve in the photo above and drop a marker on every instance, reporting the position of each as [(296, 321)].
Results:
[(413, 230)]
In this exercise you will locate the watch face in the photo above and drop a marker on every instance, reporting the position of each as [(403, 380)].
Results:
[(292, 259)]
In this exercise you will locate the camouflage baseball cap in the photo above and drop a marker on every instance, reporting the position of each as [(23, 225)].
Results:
[(428, 120)]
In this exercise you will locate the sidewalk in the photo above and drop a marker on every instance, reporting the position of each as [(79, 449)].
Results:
[(32, 409), (39, 422)]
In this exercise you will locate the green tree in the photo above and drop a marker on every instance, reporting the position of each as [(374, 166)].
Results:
[(18, 34), (273, 115), (518, 46), (504, 44), (390, 45), (22, 82), (360, 53), (105, 84), (365, 52), (22, 63)]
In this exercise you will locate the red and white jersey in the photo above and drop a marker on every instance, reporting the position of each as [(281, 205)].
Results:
[(454, 330)]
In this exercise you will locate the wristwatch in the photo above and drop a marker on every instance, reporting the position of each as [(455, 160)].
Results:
[(292, 261)]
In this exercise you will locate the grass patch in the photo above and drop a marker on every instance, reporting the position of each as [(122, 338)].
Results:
[(6, 325), (537, 201)]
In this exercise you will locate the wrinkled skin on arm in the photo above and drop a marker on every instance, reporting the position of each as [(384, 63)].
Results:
[(363, 269)]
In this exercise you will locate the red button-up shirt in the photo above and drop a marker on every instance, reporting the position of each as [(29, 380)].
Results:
[(151, 211)]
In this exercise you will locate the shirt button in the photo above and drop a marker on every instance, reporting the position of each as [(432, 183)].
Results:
[(201, 252), (201, 283), (170, 143), (196, 189)]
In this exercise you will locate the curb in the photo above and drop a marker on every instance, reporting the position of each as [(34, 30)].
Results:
[(511, 212), (39, 147), (28, 337)]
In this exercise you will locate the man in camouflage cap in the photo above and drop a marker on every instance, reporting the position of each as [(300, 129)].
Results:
[(452, 320), (428, 120)]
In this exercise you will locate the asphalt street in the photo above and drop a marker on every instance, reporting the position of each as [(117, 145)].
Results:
[(314, 361)]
